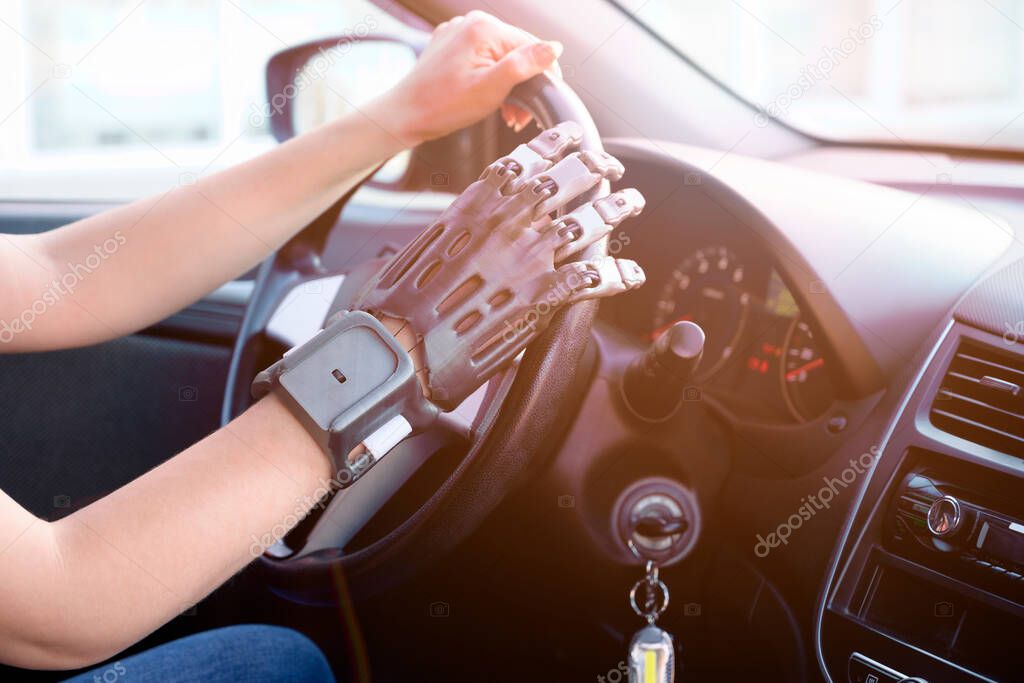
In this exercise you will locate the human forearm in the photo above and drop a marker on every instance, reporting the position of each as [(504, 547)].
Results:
[(85, 587), (118, 271)]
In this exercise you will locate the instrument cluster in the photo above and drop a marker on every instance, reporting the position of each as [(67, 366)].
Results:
[(761, 355)]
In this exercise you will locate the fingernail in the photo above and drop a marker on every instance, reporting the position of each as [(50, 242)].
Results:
[(548, 51)]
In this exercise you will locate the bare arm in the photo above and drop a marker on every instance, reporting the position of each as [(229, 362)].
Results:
[(81, 589), (119, 271), (116, 272)]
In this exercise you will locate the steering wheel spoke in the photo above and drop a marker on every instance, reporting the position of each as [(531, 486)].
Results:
[(352, 508)]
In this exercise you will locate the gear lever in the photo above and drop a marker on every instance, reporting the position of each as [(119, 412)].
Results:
[(654, 382)]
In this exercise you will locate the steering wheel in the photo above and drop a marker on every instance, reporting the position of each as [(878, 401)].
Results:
[(527, 421)]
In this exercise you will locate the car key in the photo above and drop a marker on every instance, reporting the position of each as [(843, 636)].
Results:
[(652, 651), (652, 656)]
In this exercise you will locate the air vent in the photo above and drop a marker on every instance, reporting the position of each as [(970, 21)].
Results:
[(982, 398)]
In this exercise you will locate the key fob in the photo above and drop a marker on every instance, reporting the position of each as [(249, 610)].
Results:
[(652, 657)]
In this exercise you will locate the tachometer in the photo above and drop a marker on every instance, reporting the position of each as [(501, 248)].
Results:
[(805, 383), (707, 288)]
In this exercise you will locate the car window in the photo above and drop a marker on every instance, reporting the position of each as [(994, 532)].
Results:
[(116, 99), (898, 71)]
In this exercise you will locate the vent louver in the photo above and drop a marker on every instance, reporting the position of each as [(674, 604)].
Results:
[(982, 398)]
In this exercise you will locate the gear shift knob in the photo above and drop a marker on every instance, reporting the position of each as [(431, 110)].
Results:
[(653, 383), (678, 350)]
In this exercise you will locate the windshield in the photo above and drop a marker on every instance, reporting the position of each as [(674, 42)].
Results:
[(944, 72)]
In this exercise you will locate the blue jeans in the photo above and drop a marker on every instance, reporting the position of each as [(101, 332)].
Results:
[(250, 653)]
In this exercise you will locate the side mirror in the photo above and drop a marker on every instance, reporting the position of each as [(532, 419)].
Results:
[(319, 81)]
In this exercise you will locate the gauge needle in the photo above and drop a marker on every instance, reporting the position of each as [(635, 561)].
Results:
[(807, 367)]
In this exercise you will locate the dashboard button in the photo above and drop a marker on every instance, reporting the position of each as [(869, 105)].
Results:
[(944, 516)]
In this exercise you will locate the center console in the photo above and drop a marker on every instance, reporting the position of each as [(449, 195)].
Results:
[(928, 582), (961, 522)]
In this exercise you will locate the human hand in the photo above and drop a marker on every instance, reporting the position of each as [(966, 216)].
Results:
[(465, 73)]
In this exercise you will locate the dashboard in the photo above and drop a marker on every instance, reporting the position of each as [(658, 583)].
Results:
[(929, 580), (818, 294), (761, 357)]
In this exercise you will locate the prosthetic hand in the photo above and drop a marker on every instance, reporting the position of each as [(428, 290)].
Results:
[(476, 287)]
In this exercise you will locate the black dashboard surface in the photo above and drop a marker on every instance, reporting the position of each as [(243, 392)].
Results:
[(945, 612), (876, 272)]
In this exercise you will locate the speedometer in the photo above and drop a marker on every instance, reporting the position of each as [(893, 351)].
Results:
[(805, 384), (707, 288)]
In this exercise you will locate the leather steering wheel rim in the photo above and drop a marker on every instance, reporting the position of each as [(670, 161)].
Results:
[(525, 427)]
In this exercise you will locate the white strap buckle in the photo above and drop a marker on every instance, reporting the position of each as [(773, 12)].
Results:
[(387, 436)]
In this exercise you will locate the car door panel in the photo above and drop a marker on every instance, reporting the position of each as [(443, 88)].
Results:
[(79, 423)]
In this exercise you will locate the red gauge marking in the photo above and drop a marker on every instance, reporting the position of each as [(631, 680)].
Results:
[(813, 365)]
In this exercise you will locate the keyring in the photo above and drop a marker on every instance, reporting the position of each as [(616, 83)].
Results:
[(653, 584)]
